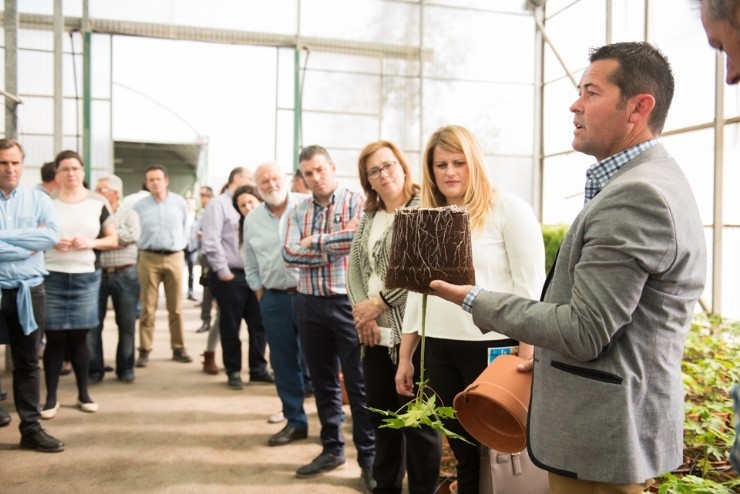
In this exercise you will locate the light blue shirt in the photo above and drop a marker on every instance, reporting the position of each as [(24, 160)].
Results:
[(28, 227), (263, 241), (162, 223)]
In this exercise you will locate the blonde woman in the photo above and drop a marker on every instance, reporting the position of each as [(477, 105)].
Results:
[(386, 179), (508, 256)]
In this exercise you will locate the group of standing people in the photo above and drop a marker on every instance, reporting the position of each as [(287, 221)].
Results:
[(604, 344)]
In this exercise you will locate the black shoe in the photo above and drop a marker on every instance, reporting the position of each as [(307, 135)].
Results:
[(108, 368), (235, 380), (367, 477), (4, 418), (66, 369), (127, 377), (308, 390), (40, 440), (204, 328), (287, 435), (94, 378), (268, 377), (180, 355), (143, 359), (322, 463)]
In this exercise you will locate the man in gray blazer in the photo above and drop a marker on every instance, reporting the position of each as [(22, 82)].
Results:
[(607, 399)]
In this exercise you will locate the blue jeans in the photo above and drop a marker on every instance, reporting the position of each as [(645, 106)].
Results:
[(123, 288), (285, 354), (329, 340)]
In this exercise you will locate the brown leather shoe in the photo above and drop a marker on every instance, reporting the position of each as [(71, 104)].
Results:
[(209, 363)]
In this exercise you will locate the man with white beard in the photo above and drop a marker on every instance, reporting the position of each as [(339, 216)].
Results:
[(275, 286)]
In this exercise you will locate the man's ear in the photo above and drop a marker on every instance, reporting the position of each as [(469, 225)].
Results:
[(642, 106)]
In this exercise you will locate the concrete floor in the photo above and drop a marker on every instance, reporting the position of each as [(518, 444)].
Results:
[(175, 430)]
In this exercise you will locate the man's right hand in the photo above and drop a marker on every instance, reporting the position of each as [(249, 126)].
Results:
[(226, 277)]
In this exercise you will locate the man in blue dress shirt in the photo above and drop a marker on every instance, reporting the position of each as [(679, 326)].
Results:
[(28, 227), (161, 255)]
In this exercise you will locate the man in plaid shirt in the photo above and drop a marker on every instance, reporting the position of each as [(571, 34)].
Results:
[(120, 282), (317, 242)]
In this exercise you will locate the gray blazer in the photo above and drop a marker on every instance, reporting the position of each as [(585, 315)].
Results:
[(607, 396)]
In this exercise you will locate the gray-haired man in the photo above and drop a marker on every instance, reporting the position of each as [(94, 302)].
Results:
[(120, 281)]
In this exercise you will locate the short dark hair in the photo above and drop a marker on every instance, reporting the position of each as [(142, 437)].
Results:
[(310, 151), (208, 188), (48, 172), (156, 167), (67, 154), (299, 175), (642, 69)]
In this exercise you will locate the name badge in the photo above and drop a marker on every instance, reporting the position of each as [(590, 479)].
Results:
[(502, 350)]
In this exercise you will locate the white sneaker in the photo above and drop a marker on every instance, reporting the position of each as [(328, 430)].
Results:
[(276, 418)]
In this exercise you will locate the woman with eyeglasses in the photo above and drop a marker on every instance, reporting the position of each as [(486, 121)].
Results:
[(508, 256), (73, 282), (386, 180)]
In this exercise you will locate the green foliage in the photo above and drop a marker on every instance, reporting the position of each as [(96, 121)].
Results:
[(552, 235), (423, 409), (690, 484), (710, 369)]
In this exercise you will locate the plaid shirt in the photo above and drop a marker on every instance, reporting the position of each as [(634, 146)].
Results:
[(129, 231), (323, 266), (599, 174)]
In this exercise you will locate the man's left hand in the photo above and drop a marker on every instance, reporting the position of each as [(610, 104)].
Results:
[(452, 293)]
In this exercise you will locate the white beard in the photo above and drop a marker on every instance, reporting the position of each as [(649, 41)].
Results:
[(276, 197)]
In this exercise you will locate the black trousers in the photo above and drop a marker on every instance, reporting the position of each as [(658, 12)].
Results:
[(452, 366), (397, 451), (26, 376), (238, 302)]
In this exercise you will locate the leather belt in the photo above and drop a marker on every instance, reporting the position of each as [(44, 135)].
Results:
[(287, 290), (161, 251), (118, 269)]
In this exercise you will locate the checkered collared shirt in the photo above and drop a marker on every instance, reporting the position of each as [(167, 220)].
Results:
[(323, 266), (599, 174)]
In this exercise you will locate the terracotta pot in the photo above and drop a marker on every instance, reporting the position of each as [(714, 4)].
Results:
[(493, 409)]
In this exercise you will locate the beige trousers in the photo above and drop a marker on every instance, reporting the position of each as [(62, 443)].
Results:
[(153, 270), (567, 485)]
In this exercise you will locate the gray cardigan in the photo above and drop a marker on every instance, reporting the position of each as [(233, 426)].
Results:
[(358, 275)]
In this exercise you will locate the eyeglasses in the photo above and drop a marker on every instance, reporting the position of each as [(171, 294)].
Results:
[(103, 190), (375, 171), (73, 169)]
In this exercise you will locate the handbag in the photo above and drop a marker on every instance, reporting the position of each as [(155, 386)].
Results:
[(511, 473)]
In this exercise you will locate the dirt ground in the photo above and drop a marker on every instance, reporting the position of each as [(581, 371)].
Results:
[(175, 430)]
